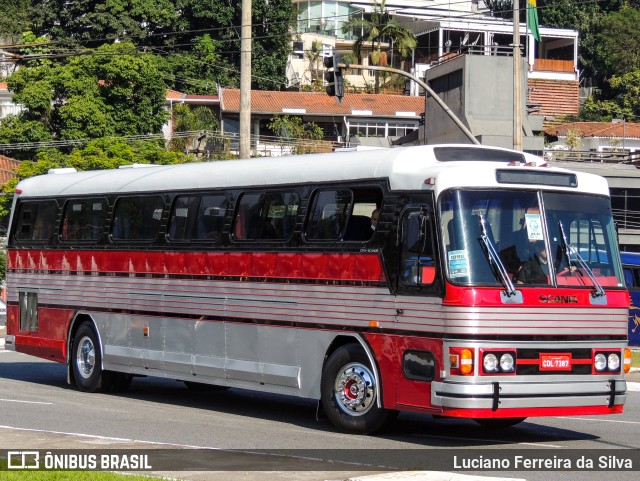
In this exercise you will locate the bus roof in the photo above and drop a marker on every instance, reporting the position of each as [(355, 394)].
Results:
[(431, 167)]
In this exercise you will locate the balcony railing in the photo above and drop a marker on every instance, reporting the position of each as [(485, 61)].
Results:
[(605, 157), (549, 65)]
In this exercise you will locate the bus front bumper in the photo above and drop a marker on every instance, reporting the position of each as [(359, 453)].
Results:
[(606, 395)]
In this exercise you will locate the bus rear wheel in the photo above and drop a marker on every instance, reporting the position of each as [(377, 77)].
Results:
[(86, 361), (348, 392), (498, 423)]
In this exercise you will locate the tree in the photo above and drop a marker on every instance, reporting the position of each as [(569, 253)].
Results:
[(198, 121), (618, 42), (623, 103), (586, 18), (105, 153), (377, 28), (15, 19), (104, 21), (116, 91), (306, 135)]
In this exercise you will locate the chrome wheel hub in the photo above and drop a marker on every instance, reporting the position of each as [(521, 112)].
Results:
[(86, 357), (355, 389)]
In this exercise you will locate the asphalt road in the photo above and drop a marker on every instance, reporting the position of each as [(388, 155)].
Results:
[(257, 436)]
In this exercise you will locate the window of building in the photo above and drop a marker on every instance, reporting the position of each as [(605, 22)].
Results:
[(137, 218), (377, 128)]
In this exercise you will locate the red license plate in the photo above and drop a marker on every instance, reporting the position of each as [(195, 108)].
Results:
[(555, 362)]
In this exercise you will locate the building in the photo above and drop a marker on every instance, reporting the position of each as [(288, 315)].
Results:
[(444, 30), (7, 107), (601, 141)]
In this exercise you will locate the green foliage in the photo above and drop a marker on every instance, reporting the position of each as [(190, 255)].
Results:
[(624, 101), (187, 119), (618, 42), (309, 133), (82, 20), (586, 17), (195, 62), (116, 91), (15, 18), (374, 29), (105, 153)]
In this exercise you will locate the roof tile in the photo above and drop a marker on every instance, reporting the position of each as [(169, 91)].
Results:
[(597, 129), (8, 167), (316, 103)]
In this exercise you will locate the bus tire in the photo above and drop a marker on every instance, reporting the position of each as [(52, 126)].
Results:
[(348, 392), (498, 423), (86, 361)]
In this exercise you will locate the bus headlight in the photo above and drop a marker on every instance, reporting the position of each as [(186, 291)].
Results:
[(613, 362), (496, 361), (506, 362), (607, 361), (490, 363), (600, 362)]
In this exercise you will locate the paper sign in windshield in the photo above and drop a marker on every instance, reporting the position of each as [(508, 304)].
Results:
[(534, 226), (458, 264)]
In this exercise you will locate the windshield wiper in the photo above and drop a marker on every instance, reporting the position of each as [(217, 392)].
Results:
[(569, 250), (494, 259)]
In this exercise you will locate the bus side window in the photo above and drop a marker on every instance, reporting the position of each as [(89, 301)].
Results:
[(267, 216), (36, 221), (417, 259), (137, 218), (83, 220), (328, 214), (211, 214)]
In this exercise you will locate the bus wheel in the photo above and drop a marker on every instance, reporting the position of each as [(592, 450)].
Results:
[(86, 360), (498, 423), (348, 392)]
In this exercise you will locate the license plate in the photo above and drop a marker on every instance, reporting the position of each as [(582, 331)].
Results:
[(555, 362)]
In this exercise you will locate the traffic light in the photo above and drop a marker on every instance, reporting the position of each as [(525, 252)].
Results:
[(334, 79)]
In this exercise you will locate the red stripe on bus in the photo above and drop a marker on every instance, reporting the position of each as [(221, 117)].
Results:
[(548, 297), (333, 266)]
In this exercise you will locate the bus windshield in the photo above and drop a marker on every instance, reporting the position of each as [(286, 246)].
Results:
[(541, 238)]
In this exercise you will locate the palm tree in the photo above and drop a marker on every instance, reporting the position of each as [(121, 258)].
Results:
[(377, 28)]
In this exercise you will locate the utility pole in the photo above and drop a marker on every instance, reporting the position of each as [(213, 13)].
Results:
[(517, 79), (245, 81)]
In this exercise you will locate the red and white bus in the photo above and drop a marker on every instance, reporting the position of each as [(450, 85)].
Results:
[(267, 274)]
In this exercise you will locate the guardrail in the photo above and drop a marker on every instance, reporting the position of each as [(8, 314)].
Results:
[(606, 157)]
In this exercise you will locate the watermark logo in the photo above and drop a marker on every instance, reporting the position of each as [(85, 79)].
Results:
[(23, 460)]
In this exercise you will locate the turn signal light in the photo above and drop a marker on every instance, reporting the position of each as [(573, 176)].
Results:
[(466, 361), (461, 361), (627, 360)]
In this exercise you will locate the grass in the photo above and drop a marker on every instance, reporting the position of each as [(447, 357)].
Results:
[(70, 476), (24, 475), (635, 358)]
